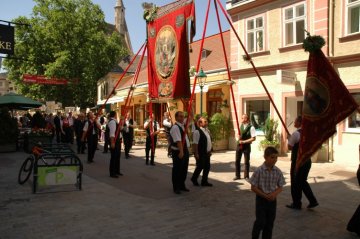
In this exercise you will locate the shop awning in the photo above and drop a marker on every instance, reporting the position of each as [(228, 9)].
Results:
[(112, 100)]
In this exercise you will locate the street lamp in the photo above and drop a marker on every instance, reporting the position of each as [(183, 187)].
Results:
[(201, 77)]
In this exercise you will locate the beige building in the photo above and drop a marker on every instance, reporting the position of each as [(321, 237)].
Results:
[(6, 85), (272, 33)]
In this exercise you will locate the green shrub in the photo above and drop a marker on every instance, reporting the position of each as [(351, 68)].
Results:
[(219, 126), (271, 135)]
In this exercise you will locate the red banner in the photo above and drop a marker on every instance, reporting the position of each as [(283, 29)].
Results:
[(168, 51), (34, 79), (326, 102)]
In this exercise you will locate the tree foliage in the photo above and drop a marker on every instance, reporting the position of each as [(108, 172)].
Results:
[(66, 39)]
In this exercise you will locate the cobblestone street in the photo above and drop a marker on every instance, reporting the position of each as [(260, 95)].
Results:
[(141, 203)]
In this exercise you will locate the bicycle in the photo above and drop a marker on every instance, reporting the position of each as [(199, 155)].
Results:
[(59, 154)]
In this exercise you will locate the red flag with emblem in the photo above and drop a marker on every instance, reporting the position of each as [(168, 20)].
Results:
[(168, 51), (326, 103)]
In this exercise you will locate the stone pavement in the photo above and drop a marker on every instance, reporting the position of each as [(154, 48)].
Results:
[(141, 204)]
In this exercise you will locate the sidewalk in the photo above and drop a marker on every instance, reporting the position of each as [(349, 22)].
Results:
[(141, 204)]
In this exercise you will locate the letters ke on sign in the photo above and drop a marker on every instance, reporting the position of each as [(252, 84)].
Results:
[(6, 39)]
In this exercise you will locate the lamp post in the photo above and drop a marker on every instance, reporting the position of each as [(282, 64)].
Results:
[(202, 80)]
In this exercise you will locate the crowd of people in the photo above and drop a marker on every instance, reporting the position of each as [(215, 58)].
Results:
[(266, 181)]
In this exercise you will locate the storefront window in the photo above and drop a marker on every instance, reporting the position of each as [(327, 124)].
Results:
[(258, 111), (353, 121)]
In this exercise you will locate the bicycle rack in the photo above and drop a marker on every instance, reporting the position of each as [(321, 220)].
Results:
[(61, 166)]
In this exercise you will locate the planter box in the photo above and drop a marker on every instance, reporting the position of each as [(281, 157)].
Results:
[(31, 141), (9, 147)]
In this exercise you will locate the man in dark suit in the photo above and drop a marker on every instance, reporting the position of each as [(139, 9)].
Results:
[(78, 128), (57, 126), (202, 151), (248, 135), (128, 134), (90, 131), (152, 130), (115, 146)]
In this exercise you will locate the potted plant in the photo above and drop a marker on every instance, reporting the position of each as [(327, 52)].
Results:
[(9, 131), (37, 136), (270, 133), (220, 127)]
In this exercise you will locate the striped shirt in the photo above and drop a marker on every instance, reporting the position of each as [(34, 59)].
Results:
[(267, 180)]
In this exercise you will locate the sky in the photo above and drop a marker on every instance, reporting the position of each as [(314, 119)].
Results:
[(11, 9)]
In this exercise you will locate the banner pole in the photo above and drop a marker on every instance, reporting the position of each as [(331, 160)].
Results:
[(118, 82), (227, 69), (197, 70)]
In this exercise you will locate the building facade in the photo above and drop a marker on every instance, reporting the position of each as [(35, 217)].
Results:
[(6, 85), (272, 33)]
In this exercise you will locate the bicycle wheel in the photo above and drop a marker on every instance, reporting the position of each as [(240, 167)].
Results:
[(25, 170)]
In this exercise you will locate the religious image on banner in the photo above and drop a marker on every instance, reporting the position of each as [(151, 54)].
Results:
[(327, 102), (168, 51)]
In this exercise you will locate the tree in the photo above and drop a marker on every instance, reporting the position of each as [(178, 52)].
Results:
[(66, 39)]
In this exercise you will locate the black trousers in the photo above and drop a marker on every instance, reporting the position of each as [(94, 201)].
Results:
[(92, 142), (353, 225), (58, 135), (80, 145), (69, 135), (179, 170), (114, 167), (240, 150), (128, 140), (202, 164), (301, 185), (265, 216), (148, 150), (106, 145), (168, 137)]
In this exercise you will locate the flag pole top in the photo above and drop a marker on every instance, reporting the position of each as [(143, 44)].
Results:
[(313, 43)]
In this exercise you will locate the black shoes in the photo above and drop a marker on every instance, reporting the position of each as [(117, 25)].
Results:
[(195, 183), (177, 191), (152, 164), (292, 206), (312, 205), (206, 184), (236, 178), (119, 174), (114, 176)]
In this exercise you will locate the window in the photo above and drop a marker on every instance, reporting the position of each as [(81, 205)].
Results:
[(258, 111), (294, 24), (205, 53), (234, 2), (353, 121), (255, 34), (353, 16)]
